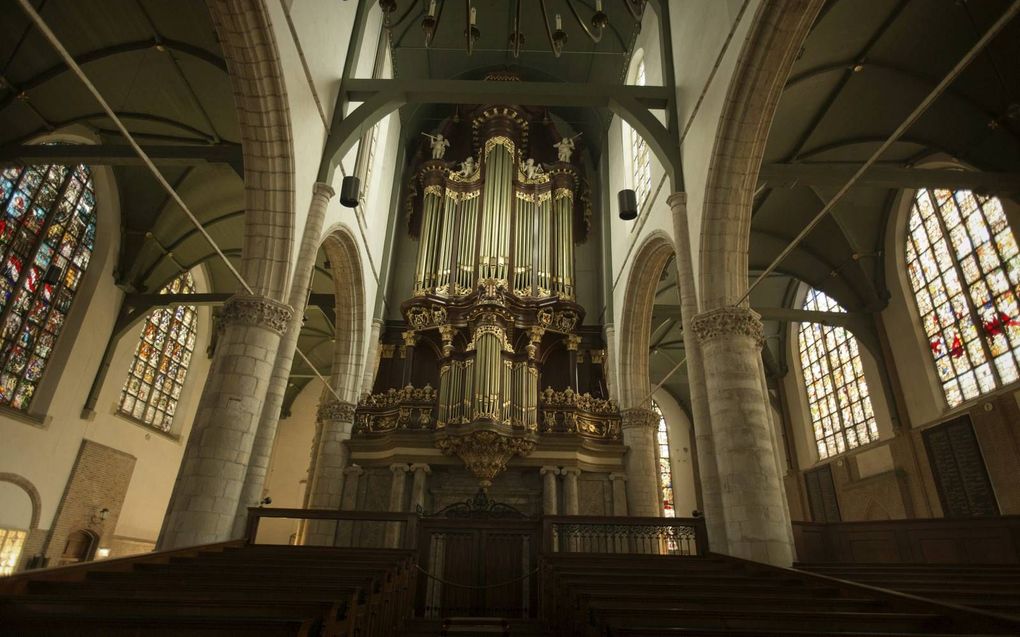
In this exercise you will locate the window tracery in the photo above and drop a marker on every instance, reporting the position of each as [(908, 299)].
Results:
[(842, 416), (640, 156), (162, 357), (964, 269), (47, 235), (665, 470)]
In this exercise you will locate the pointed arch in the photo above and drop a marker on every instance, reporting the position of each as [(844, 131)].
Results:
[(635, 332), (341, 249)]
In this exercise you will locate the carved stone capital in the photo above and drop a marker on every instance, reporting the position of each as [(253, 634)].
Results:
[(570, 471), (638, 417), (725, 322), (320, 189), (398, 467), (421, 467), (410, 338), (336, 410), (677, 199), (353, 470), (546, 470), (255, 311), (618, 476)]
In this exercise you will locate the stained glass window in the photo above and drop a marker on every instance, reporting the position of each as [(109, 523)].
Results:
[(838, 398), (11, 542), (640, 156), (964, 268), (161, 361), (47, 234), (665, 472)]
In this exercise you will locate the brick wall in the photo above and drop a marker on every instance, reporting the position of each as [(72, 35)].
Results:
[(99, 480)]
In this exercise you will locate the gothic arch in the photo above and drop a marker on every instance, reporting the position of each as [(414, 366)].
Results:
[(778, 31), (348, 283), (245, 31), (33, 495), (639, 297)]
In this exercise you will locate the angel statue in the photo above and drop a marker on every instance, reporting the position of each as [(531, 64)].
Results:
[(468, 167), (565, 148), (439, 144), (532, 169)]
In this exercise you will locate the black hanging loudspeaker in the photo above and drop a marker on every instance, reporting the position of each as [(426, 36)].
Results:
[(628, 204), (349, 191)]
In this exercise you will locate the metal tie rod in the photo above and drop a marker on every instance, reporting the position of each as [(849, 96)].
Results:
[(71, 64)]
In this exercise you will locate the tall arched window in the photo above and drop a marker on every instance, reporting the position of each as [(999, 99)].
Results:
[(964, 269), (161, 361), (665, 471), (841, 414), (640, 156), (47, 234)]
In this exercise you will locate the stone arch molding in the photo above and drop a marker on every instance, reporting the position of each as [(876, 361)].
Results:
[(33, 494), (636, 321), (777, 33), (341, 249), (245, 32)]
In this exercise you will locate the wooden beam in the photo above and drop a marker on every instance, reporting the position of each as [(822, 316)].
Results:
[(834, 175)]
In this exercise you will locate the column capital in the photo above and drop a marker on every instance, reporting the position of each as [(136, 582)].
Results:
[(567, 471), (726, 322), (422, 467), (553, 470), (573, 341), (320, 189), (336, 410), (618, 476), (353, 470), (677, 199), (255, 311), (398, 467), (639, 417)]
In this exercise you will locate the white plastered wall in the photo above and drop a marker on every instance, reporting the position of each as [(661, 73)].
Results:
[(706, 41), (43, 450)]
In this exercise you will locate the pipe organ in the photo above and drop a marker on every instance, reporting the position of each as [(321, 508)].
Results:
[(494, 294)]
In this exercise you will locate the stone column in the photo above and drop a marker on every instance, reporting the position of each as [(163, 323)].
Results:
[(206, 495), (352, 476), (641, 462), (571, 505), (326, 476), (372, 360), (619, 481), (258, 466), (708, 473), (345, 530), (419, 473), (396, 503), (549, 499), (757, 522)]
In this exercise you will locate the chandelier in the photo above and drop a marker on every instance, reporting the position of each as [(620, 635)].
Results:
[(557, 37)]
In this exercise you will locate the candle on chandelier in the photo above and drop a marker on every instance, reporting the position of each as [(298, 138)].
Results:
[(472, 16), (598, 5), (432, 8), (559, 23)]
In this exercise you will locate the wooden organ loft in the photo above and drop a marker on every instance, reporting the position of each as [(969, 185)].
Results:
[(491, 363)]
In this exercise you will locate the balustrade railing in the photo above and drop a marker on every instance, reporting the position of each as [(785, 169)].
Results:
[(649, 536), (323, 527)]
